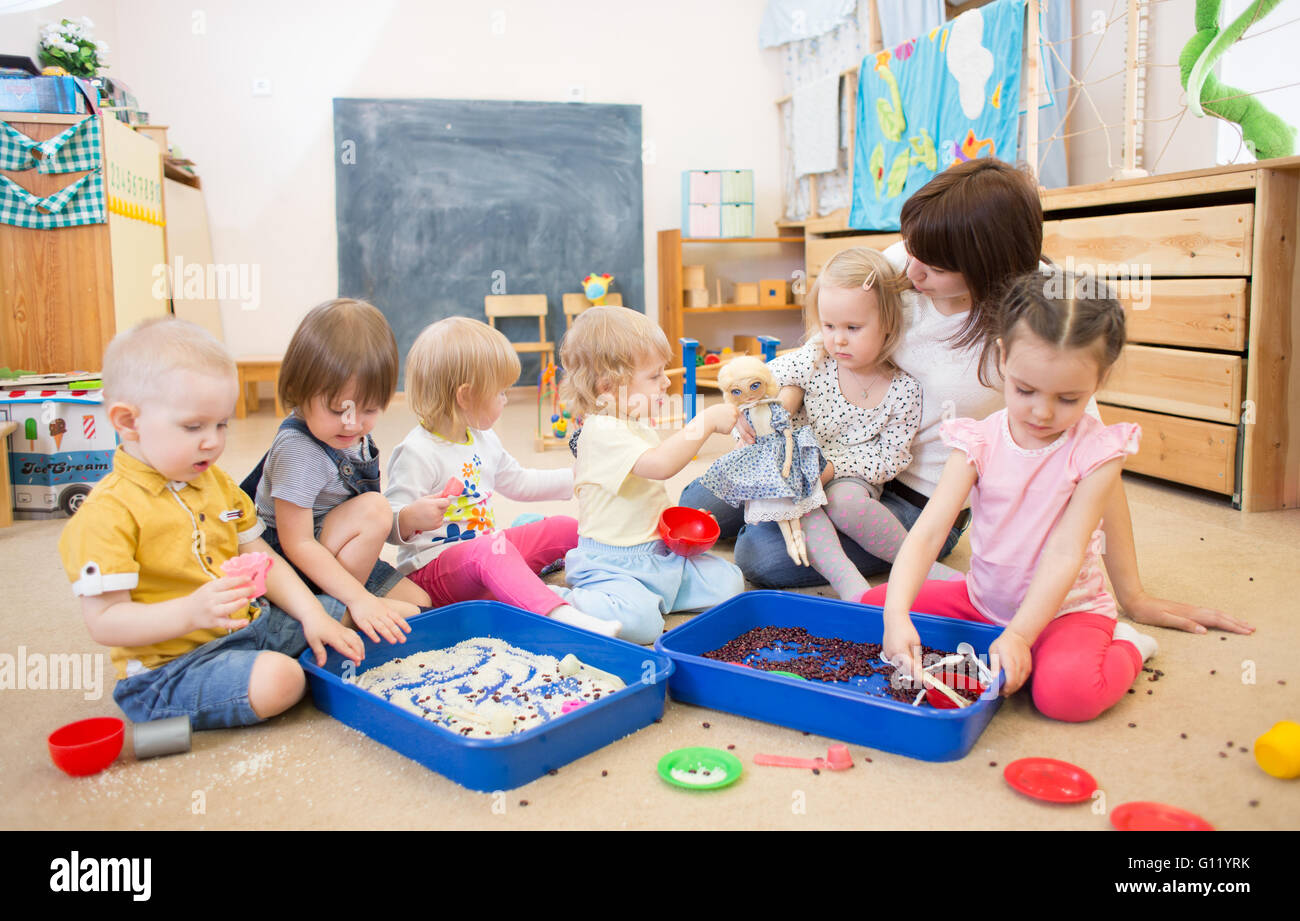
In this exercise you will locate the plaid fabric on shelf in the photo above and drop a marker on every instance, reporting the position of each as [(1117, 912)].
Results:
[(82, 202), (70, 151)]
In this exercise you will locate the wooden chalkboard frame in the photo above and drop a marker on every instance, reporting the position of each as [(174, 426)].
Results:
[(440, 202)]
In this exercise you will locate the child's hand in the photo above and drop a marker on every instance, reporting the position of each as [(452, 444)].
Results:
[(426, 513), (212, 604), (1158, 612), (719, 418), (901, 645), (1011, 652), (744, 430), (373, 617), (322, 630)]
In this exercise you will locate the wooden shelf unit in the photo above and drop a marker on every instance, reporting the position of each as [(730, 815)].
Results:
[(1210, 372), (671, 308)]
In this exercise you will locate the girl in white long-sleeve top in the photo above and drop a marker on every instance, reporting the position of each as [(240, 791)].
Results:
[(444, 474)]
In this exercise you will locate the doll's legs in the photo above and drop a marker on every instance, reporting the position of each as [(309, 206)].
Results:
[(1080, 669), (856, 512), (795, 546)]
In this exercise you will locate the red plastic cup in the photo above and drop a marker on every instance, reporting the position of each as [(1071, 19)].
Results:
[(87, 746), (958, 682), (688, 531)]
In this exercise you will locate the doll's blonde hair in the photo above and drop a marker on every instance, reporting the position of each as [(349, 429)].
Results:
[(448, 354), (868, 269), (746, 366), (138, 359), (603, 350)]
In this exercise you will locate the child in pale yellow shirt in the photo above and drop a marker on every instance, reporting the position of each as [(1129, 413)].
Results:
[(614, 360)]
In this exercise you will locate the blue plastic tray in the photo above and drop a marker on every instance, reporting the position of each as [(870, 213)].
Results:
[(844, 711), (498, 764)]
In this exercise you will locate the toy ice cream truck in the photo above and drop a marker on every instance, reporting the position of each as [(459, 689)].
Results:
[(63, 446)]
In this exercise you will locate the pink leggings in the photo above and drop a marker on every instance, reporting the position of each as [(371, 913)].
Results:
[(501, 566), (1080, 669)]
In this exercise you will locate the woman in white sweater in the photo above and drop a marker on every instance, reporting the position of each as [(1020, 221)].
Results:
[(965, 234)]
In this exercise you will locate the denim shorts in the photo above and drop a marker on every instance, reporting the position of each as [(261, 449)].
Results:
[(210, 684)]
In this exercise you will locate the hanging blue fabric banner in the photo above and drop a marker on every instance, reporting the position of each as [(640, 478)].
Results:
[(949, 95)]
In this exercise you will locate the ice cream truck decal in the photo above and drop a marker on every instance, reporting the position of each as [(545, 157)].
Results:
[(63, 446)]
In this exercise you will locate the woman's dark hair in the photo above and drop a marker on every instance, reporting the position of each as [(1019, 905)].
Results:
[(982, 218), (1065, 310)]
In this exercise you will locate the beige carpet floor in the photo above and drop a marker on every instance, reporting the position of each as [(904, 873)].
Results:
[(304, 770)]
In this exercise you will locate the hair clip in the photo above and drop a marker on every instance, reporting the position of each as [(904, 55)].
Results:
[(869, 281)]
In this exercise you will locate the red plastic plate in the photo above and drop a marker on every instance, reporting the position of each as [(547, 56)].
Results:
[(1050, 780), (1156, 817)]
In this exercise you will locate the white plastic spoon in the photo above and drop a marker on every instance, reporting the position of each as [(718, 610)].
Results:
[(968, 651)]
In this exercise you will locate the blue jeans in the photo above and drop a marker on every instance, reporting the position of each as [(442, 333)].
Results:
[(638, 585), (760, 548), (210, 684)]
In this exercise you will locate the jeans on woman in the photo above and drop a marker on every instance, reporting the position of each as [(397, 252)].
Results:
[(760, 549)]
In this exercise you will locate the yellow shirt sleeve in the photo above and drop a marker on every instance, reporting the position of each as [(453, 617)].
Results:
[(98, 548), (614, 506)]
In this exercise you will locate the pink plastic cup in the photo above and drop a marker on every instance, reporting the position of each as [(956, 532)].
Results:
[(251, 566)]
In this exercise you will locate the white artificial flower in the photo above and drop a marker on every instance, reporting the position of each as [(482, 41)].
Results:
[(70, 47), (86, 23), (71, 28), (101, 46)]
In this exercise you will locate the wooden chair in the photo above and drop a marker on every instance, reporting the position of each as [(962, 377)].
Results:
[(522, 305), (252, 369), (576, 303)]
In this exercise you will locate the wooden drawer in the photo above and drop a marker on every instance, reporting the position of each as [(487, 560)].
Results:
[(819, 250), (1190, 241), (1202, 385), (1187, 451), (1204, 312)]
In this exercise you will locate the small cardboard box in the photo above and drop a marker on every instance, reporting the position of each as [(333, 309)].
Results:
[(746, 292), (695, 297), (773, 292), (693, 276), (63, 446)]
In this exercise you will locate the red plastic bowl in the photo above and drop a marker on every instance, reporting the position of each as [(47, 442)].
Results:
[(88, 746), (688, 531), (958, 682)]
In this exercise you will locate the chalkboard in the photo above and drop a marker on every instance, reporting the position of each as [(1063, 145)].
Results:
[(440, 202)]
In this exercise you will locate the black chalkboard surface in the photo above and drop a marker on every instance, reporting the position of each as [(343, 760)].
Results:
[(443, 201)]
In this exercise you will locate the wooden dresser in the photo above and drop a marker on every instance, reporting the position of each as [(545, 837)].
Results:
[(1208, 267)]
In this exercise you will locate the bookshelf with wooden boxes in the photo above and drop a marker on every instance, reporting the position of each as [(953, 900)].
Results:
[(1205, 266)]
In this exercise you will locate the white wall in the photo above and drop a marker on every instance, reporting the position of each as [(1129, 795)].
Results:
[(267, 163)]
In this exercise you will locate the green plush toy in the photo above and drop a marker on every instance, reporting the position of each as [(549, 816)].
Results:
[(1266, 135)]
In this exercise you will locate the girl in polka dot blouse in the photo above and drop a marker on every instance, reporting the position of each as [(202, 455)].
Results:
[(862, 409)]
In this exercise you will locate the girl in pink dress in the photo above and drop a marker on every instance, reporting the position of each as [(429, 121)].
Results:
[(1037, 474)]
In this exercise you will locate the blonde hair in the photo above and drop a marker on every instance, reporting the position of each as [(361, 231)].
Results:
[(452, 352), (865, 268), (137, 359), (603, 350), (338, 341)]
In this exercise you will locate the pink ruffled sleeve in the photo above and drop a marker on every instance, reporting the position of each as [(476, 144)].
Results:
[(966, 435), (1104, 443)]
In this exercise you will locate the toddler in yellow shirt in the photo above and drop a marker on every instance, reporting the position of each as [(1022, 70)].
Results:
[(144, 552), (614, 360)]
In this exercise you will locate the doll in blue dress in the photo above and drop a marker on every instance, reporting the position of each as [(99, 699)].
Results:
[(778, 478)]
